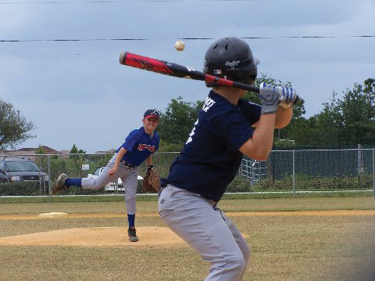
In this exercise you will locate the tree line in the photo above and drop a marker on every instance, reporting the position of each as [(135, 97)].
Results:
[(343, 122)]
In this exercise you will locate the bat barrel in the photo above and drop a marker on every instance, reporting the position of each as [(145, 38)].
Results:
[(176, 70)]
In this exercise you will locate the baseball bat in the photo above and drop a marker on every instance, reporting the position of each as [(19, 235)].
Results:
[(176, 70)]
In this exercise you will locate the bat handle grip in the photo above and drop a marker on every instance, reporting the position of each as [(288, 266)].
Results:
[(246, 87), (254, 89)]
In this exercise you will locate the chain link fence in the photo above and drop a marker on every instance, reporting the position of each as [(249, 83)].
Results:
[(312, 170), (285, 170)]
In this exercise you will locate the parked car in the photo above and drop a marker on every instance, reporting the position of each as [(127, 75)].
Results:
[(21, 170), (112, 186), (3, 178)]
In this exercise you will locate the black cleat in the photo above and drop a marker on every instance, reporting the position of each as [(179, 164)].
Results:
[(132, 233), (60, 184)]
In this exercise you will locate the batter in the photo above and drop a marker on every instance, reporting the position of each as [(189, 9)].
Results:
[(211, 157)]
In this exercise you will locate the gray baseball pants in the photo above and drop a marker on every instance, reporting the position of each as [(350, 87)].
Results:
[(207, 230), (128, 177)]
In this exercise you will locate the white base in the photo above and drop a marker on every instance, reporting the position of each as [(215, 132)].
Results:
[(52, 215)]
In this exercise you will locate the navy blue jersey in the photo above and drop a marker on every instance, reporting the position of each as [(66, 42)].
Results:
[(211, 157), (139, 146)]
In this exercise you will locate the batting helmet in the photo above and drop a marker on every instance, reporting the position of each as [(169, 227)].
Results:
[(232, 59)]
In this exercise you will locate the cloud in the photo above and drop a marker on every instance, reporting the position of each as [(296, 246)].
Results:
[(77, 92)]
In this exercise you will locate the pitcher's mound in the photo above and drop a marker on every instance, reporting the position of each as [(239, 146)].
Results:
[(96, 237)]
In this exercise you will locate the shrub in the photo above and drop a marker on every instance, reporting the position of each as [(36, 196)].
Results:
[(306, 182), (239, 184), (22, 189)]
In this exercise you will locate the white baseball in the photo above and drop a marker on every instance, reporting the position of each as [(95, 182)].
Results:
[(180, 46)]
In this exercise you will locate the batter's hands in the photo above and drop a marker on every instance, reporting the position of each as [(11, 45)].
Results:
[(271, 97), (288, 97)]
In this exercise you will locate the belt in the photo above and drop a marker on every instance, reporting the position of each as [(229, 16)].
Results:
[(127, 164), (164, 185), (160, 190)]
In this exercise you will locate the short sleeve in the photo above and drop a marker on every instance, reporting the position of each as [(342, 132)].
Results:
[(234, 130), (131, 141), (251, 111)]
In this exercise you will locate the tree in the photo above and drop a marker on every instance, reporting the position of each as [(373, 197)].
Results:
[(14, 128), (351, 120), (75, 150), (357, 121), (176, 123), (78, 157)]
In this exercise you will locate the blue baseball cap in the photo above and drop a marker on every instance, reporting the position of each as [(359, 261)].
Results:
[(151, 113)]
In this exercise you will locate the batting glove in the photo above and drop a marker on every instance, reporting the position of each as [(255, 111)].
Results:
[(269, 97), (288, 97)]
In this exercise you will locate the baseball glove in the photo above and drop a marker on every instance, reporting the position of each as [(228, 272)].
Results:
[(151, 182)]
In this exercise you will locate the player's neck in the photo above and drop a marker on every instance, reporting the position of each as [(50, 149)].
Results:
[(231, 94), (149, 132)]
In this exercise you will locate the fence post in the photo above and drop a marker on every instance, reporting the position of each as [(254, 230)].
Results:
[(49, 177), (358, 159), (373, 170), (294, 173)]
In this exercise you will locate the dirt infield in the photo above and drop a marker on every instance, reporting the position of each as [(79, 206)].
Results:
[(117, 236), (95, 237)]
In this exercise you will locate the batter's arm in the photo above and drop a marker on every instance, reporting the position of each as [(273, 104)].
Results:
[(260, 144), (119, 156), (279, 100), (283, 118), (276, 103)]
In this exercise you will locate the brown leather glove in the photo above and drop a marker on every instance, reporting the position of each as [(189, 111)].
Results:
[(151, 182)]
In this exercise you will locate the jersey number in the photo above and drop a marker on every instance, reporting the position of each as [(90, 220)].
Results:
[(192, 133)]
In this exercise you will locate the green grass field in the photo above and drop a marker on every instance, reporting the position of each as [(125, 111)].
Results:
[(290, 239)]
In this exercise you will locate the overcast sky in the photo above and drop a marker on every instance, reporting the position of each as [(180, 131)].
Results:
[(76, 92)]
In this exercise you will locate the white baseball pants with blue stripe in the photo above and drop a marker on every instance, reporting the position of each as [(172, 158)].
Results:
[(128, 177), (207, 230)]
